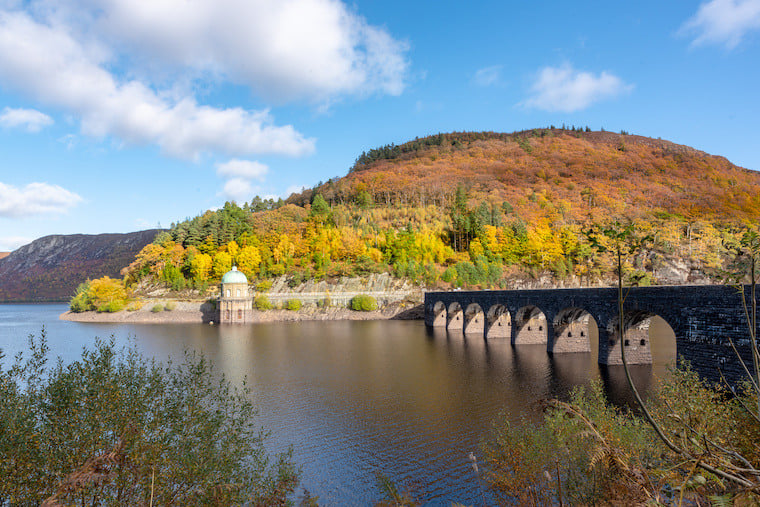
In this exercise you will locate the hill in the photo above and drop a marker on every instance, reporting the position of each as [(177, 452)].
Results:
[(478, 210), (586, 173), (50, 268)]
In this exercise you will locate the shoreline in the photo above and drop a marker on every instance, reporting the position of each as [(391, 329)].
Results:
[(191, 313)]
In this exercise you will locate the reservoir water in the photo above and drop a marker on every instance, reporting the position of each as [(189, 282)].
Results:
[(355, 398)]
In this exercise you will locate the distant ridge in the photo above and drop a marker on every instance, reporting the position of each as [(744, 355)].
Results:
[(50, 268)]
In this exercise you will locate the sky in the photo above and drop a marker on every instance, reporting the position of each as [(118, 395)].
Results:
[(123, 115)]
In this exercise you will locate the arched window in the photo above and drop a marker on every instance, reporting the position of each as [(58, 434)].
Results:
[(238, 293), (240, 314), (228, 292)]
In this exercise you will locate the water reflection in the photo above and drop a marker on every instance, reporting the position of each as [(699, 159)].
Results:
[(357, 398)]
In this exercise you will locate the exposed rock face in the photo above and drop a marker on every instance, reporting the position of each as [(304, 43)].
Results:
[(50, 268)]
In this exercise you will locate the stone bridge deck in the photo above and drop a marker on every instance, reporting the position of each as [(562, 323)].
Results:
[(704, 319)]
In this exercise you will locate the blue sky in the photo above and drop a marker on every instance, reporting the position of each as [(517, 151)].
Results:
[(118, 115)]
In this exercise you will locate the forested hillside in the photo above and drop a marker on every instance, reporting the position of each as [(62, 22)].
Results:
[(50, 268), (477, 210)]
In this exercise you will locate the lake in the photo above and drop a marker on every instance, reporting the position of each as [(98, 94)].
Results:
[(358, 398)]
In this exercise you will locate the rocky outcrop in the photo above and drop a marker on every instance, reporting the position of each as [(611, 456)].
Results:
[(50, 268)]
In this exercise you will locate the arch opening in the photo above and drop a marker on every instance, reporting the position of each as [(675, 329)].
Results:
[(474, 320), (571, 331), (530, 326), (498, 323), (439, 314), (455, 317), (636, 338)]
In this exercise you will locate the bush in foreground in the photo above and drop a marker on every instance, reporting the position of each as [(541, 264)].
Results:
[(157, 308), (588, 452), (363, 303), (119, 429), (294, 304)]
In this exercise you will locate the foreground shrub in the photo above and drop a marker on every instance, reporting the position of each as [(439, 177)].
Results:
[(588, 452), (169, 306), (119, 429), (262, 303), (363, 303), (157, 308), (294, 304)]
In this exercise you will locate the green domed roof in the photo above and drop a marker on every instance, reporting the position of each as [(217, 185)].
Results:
[(234, 276)]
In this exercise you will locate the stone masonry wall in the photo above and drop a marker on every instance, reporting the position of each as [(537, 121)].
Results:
[(704, 318)]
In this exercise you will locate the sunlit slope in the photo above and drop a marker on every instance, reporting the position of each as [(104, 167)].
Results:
[(580, 174)]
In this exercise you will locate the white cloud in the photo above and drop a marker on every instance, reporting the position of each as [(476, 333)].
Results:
[(239, 174), (282, 49), (567, 90), (47, 63), (293, 189), (35, 199), (239, 189), (246, 169), (723, 22), (10, 243), (487, 76), (30, 120)]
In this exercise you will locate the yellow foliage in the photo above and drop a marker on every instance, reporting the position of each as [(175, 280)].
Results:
[(221, 263), (233, 249), (284, 250), (248, 260), (107, 291), (200, 267)]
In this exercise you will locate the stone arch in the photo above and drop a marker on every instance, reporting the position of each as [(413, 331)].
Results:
[(498, 322), (439, 314), (638, 350), (474, 320), (571, 331), (530, 326), (455, 317)]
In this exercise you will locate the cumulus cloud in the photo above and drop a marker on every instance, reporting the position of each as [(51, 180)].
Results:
[(10, 243), (283, 49), (567, 90), (723, 22), (239, 189), (50, 65), (35, 199), (487, 76), (240, 173), (246, 169), (30, 120)]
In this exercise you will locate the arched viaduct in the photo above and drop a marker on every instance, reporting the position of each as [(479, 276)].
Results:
[(703, 319)]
